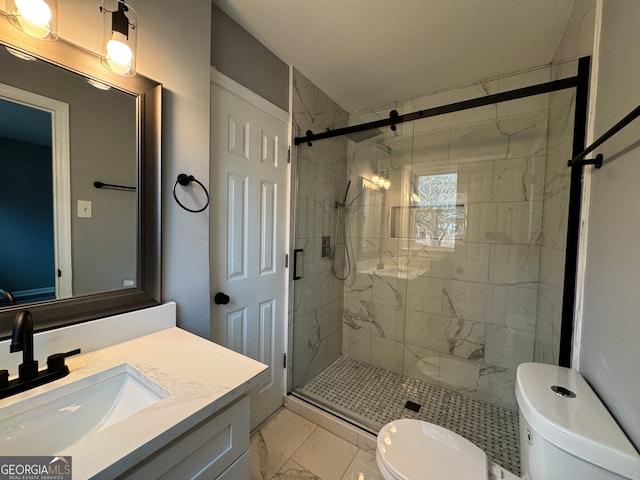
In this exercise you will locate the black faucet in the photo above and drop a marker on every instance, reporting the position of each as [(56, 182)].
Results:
[(22, 341), (28, 374)]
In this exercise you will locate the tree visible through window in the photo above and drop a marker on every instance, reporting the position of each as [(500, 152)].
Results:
[(438, 218)]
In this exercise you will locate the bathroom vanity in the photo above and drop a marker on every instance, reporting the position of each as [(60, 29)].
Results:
[(162, 403)]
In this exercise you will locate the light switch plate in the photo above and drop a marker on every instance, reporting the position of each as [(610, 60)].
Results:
[(84, 208)]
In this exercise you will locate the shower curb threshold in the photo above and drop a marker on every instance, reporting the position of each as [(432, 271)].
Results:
[(354, 434)]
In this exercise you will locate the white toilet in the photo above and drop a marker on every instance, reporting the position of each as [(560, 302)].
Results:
[(566, 433)]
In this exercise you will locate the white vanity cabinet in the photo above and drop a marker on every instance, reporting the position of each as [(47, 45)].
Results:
[(196, 427), (217, 448)]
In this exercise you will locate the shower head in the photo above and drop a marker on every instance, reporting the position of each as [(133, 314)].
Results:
[(364, 135)]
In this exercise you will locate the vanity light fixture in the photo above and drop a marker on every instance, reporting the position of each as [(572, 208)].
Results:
[(119, 38), (376, 177), (37, 18), (380, 178), (384, 181)]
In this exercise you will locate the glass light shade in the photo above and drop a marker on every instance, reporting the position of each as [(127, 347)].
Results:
[(119, 37), (375, 179), (36, 18), (387, 184), (99, 85), (20, 55)]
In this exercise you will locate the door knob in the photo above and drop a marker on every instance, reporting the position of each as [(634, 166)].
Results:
[(221, 299)]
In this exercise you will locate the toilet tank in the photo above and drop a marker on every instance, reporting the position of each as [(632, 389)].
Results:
[(565, 430)]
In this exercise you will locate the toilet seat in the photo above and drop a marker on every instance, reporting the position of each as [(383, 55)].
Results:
[(416, 450)]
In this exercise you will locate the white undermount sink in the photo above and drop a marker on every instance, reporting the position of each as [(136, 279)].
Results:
[(52, 421)]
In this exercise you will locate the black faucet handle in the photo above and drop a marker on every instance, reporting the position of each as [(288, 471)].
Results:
[(55, 362), (4, 378)]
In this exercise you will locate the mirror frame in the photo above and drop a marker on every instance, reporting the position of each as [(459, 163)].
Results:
[(147, 292)]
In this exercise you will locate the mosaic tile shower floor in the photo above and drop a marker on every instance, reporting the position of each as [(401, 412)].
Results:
[(374, 396)]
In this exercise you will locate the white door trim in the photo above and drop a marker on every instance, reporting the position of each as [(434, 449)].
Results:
[(586, 197), (248, 96), (61, 178)]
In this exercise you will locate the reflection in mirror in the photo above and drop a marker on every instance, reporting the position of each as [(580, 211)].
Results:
[(77, 252), (373, 221), (27, 250), (67, 237)]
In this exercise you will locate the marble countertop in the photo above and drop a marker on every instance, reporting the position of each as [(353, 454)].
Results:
[(201, 376)]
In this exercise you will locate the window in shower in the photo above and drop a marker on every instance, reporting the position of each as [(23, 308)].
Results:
[(435, 217), (438, 219)]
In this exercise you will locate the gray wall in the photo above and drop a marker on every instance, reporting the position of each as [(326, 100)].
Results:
[(101, 148), (609, 352), (239, 56), (175, 51)]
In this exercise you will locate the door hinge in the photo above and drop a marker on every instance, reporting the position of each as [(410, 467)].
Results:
[(286, 260), (289, 155), (285, 361)]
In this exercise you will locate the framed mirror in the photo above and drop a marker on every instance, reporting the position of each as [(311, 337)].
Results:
[(80, 193)]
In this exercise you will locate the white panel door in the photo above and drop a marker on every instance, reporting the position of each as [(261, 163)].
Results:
[(249, 176)]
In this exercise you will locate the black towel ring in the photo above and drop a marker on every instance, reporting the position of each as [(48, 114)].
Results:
[(185, 180)]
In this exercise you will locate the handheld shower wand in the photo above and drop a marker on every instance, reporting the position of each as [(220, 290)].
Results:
[(341, 220)]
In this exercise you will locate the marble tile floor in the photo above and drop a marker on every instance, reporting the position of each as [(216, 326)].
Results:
[(373, 396), (290, 447)]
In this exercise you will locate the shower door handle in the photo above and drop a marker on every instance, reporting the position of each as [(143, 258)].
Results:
[(297, 251)]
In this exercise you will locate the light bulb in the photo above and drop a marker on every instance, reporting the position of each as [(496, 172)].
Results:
[(375, 179), (387, 184), (119, 57), (119, 34), (34, 17)]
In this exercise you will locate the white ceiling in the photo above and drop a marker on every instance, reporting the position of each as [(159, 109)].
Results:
[(368, 53)]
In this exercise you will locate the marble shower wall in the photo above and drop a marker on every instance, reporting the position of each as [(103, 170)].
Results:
[(462, 317), (315, 312)]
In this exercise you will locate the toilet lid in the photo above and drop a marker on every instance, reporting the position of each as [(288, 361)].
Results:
[(413, 449)]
